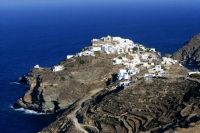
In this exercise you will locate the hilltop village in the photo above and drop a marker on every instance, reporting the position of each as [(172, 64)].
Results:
[(114, 85), (133, 56)]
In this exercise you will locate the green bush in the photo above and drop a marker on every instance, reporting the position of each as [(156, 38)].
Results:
[(50, 85), (62, 78), (135, 49), (197, 76), (82, 61), (163, 68), (97, 53)]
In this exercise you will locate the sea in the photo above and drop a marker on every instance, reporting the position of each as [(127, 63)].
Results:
[(45, 31)]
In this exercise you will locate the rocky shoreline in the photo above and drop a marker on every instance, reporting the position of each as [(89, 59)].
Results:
[(155, 96)]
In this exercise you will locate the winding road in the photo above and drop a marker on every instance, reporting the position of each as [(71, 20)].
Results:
[(72, 115)]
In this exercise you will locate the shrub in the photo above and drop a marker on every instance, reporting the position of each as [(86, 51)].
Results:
[(82, 61), (135, 49), (50, 85), (97, 53), (141, 49), (163, 68), (197, 76), (62, 78)]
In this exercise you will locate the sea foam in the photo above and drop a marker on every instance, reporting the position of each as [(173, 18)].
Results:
[(14, 83), (27, 111)]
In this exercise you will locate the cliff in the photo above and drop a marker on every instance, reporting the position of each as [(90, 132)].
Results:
[(53, 91), (190, 52)]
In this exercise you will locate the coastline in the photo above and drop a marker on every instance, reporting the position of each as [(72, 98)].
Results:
[(109, 63)]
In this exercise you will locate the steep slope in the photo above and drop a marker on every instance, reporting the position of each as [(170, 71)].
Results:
[(53, 91), (155, 105), (190, 52)]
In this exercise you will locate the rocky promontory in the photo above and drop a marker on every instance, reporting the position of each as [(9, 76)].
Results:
[(53, 91), (190, 52), (116, 86)]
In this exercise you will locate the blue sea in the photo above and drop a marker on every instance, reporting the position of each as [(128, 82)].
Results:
[(44, 32)]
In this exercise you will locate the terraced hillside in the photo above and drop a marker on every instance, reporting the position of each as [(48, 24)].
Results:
[(155, 104)]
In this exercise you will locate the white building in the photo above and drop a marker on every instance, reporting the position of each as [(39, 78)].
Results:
[(37, 66), (142, 48), (117, 39), (108, 49), (145, 56), (86, 53), (58, 68), (189, 73), (144, 64), (152, 49), (117, 61), (134, 71), (108, 38), (123, 74), (95, 40), (125, 83), (69, 56), (149, 75), (96, 49), (157, 68)]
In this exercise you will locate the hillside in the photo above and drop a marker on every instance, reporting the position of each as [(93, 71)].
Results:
[(114, 85), (190, 52)]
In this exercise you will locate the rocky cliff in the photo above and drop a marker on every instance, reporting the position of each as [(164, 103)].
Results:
[(190, 52), (53, 91)]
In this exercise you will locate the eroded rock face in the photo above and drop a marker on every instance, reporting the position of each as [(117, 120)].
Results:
[(53, 91), (190, 52)]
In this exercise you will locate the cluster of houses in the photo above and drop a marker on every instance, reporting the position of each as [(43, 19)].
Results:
[(141, 57)]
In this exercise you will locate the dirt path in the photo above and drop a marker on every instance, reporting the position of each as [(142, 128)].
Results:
[(72, 115)]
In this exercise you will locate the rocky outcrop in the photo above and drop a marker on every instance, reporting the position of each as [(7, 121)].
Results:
[(54, 91), (190, 52)]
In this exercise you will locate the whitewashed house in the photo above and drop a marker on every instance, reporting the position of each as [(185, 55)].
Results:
[(108, 49), (125, 83), (69, 56), (152, 49), (144, 64), (189, 73), (108, 38), (95, 40), (157, 68), (117, 61), (141, 47), (37, 66), (134, 71), (145, 56), (117, 39), (58, 68), (123, 74), (86, 53), (96, 49), (149, 75)]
